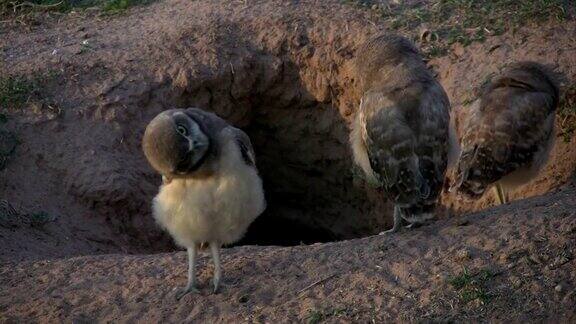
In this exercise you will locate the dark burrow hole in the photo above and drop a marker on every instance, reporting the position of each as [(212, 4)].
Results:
[(270, 230), (301, 140), (289, 216), (306, 170)]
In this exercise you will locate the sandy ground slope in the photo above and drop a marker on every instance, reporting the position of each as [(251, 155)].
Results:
[(527, 250)]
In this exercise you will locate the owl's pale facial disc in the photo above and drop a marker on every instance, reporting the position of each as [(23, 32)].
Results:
[(175, 144), (193, 142)]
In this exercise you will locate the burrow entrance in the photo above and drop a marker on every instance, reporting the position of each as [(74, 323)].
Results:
[(297, 119)]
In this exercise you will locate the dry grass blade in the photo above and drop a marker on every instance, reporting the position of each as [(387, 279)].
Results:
[(17, 6), (315, 283)]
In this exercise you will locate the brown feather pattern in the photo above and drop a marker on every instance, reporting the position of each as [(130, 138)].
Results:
[(404, 115), (509, 128)]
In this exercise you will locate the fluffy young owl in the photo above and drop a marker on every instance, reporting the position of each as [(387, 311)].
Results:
[(509, 131), (401, 134), (211, 191)]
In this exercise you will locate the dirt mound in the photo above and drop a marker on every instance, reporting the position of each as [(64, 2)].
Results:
[(272, 81), (280, 70), (516, 264)]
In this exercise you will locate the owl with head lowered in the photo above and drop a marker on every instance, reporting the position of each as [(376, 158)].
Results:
[(401, 135), (509, 131)]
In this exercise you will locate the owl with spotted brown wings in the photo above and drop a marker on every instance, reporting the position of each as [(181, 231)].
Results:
[(401, 134), (509, 131)]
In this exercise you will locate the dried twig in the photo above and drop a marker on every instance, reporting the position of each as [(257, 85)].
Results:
[(315, 283), (34, 5), (232, 68)]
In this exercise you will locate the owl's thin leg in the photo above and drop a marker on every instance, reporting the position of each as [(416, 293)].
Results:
[(504, 194), (500, 194), (215, 249), (191, 285), (397, 221)]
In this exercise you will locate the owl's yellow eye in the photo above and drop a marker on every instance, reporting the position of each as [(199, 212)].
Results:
[(182, 130)]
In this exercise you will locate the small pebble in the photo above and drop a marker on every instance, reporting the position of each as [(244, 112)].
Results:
[(516, 282), (463, 254), (558, 288)]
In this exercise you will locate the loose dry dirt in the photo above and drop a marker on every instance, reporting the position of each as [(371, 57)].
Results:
[(526, 249), (282, 71)]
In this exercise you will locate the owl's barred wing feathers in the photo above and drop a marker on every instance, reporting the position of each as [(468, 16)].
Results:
[(509, 128), (401, 132), (391, 147), (405, 138), (433, 145), (245, 146)]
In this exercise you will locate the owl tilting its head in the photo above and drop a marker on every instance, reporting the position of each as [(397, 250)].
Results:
[(211, 191), (508, 131), (179, 143)]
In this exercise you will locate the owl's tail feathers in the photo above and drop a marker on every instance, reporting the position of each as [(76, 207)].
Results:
[(424, 188)]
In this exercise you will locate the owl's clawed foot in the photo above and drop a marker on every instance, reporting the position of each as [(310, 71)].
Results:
[(390, 231), (397, 222), (185, 291)]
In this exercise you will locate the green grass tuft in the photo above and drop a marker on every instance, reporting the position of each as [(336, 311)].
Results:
[(12, 217), (16, 91), (118, 6), (40, 219), (468, 21), (19, 8), (472, 287), (315, 317), (461, 280)]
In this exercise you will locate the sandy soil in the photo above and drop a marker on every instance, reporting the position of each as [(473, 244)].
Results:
[(280, 70), (527, 248)]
